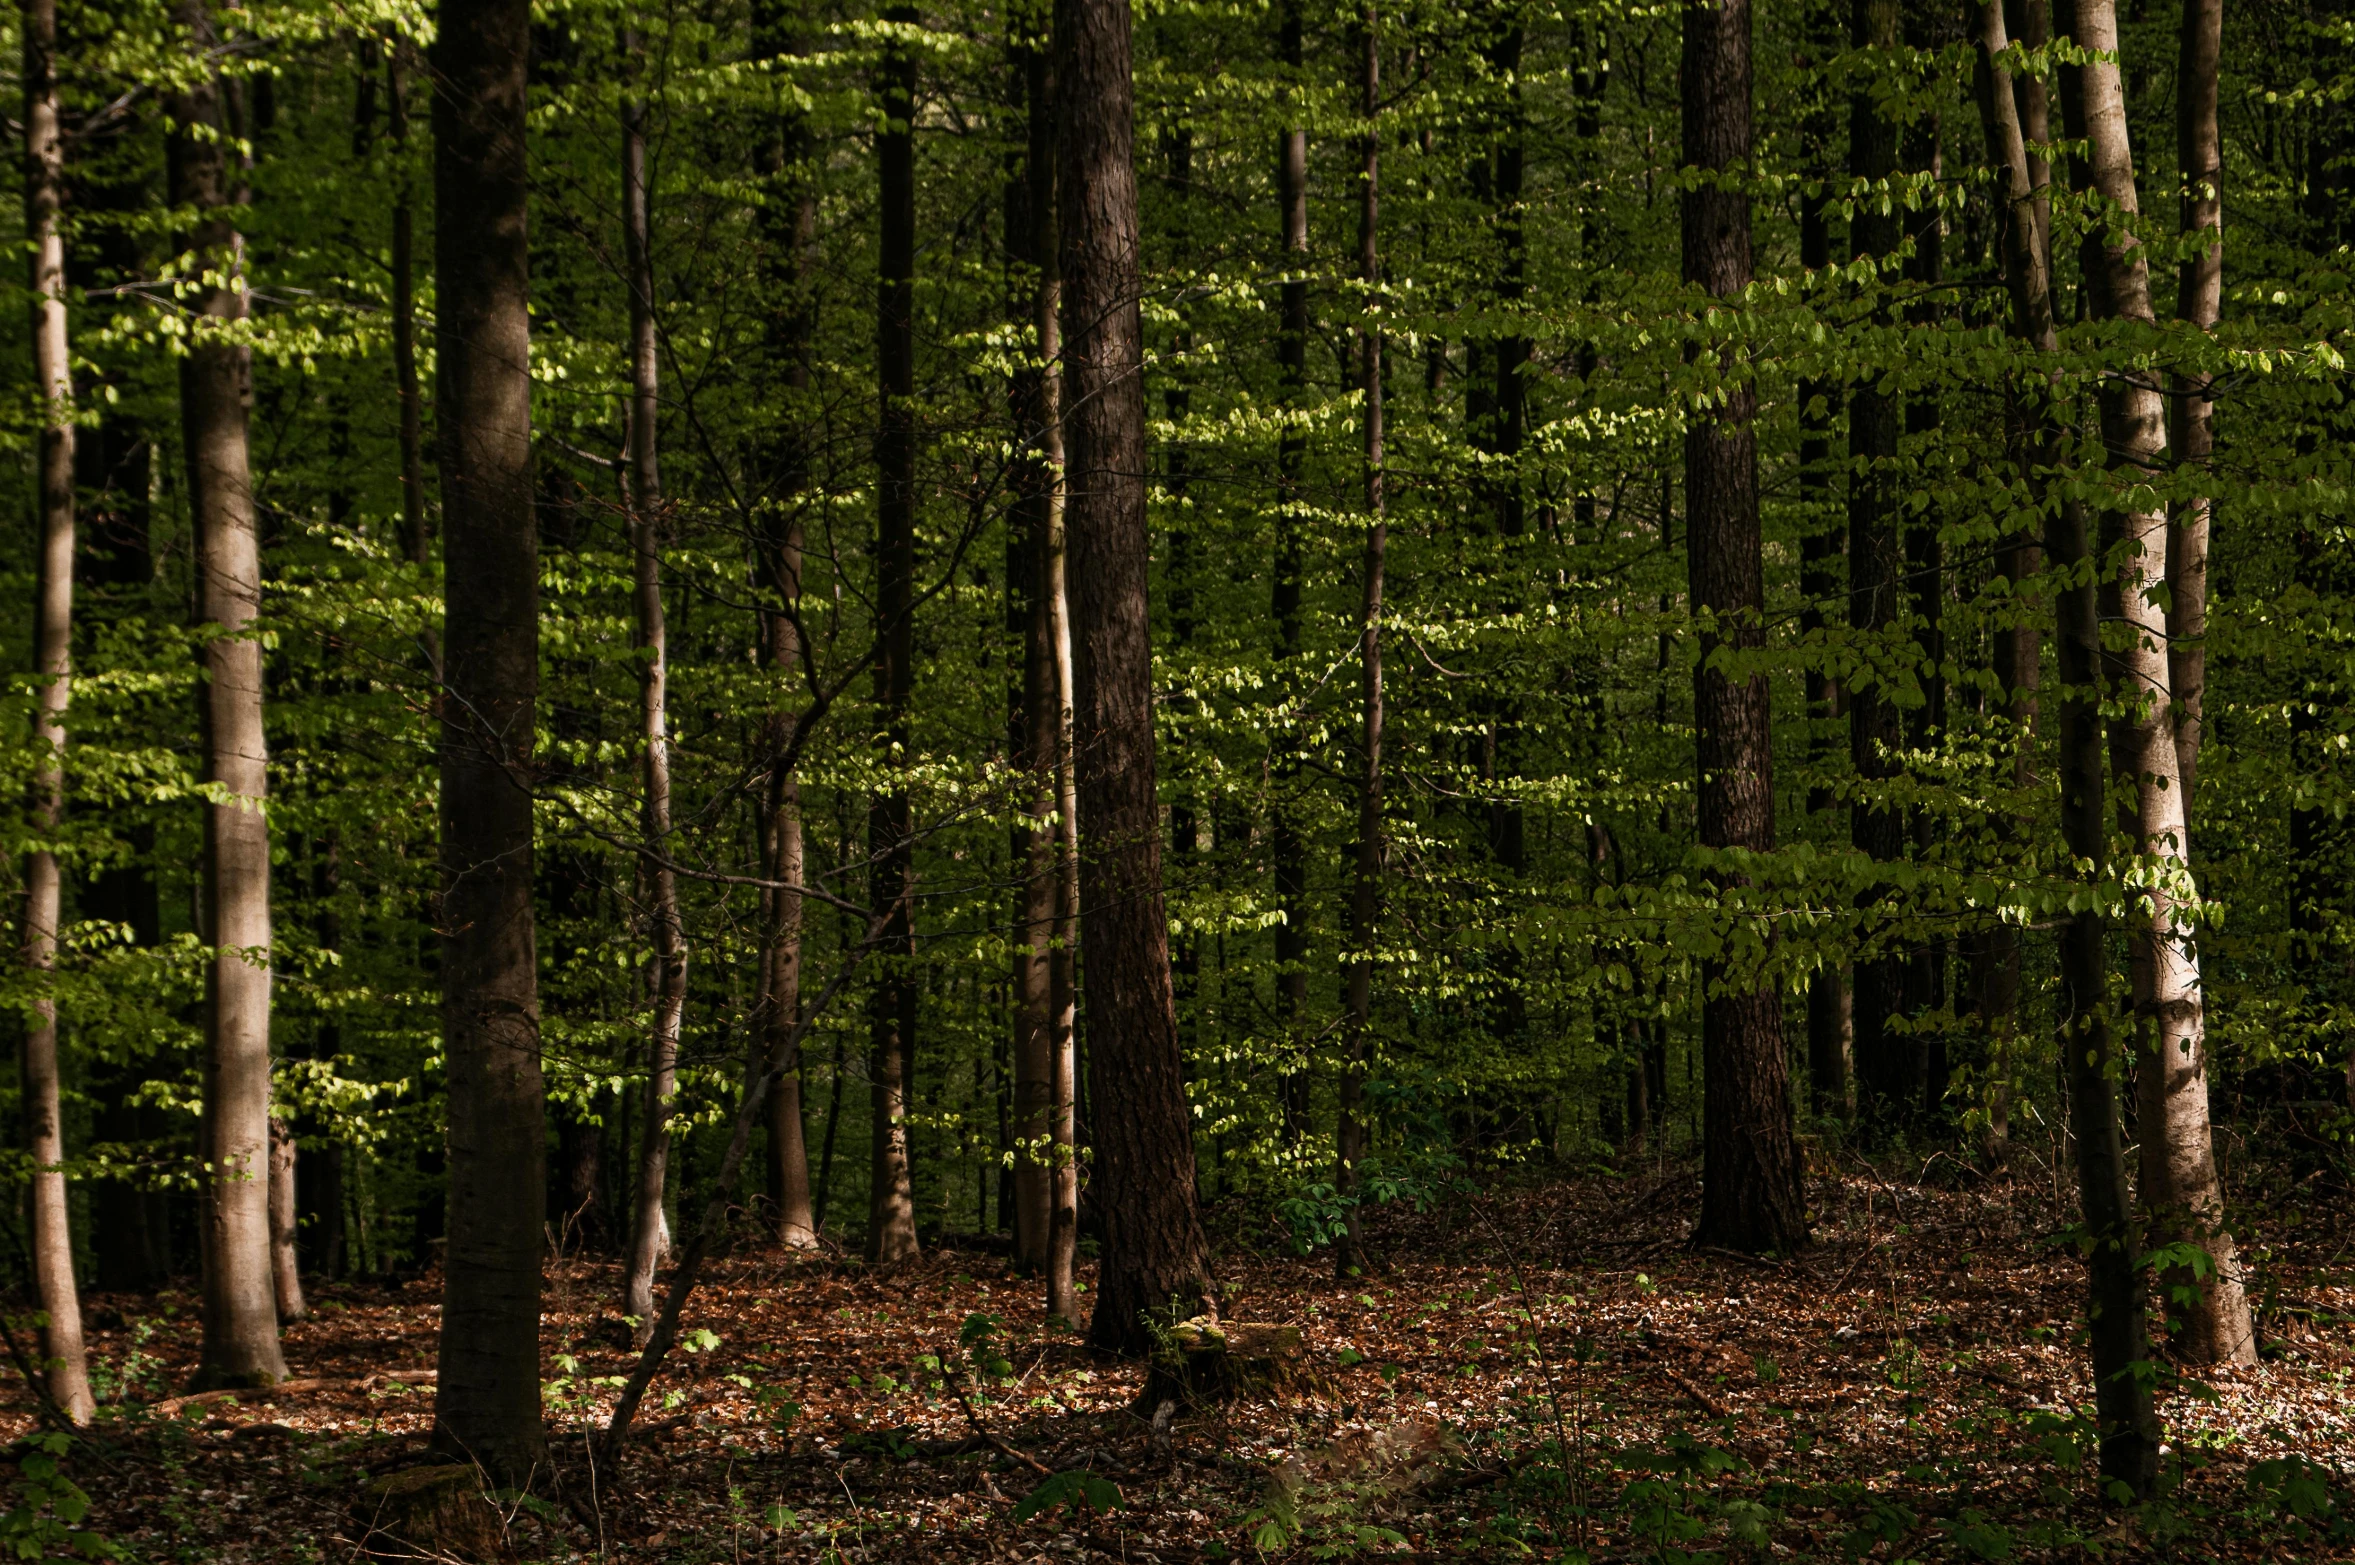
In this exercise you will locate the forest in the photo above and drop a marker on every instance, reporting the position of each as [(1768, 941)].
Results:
[(1179, 781)]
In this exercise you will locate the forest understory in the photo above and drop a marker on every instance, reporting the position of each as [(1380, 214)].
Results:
[(1911, 1388)]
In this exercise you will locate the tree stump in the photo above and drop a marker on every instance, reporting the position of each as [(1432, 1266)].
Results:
[(1225, 1362), (431, 1513)]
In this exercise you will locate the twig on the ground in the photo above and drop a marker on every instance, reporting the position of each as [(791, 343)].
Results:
[(284, 1388), (997, 1442)]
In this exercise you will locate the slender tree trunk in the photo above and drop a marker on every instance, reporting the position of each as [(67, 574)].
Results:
[(1366, 892), (1155, 1256), (487, 1400), (791, 231), (53, 622), (2182, 1193), (649, 1234), (2126, 1428), (1062, 966), (2199, 152), (416, 531), (286, 1279), (240, 1314), (1750, 1189), (1884, 1080), (891, 1208), (1286, 848)]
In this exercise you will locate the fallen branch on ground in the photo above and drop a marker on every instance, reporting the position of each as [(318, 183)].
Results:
[(406, 1377)]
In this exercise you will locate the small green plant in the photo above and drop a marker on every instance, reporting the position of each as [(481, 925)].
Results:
[(44, 1520), (1078, 1490)]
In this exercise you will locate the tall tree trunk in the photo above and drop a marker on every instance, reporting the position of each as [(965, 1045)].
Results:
[(487, 1401), (790, 232), (891, 1205), (1884, 1080), (2182, 1193), (649, 1234), (1750, 1187), (1286, 848), (2199, 155), (2126, 1428), (1366, 892), (240, 1313), (1062, 966), (53, 623), (1155, 1256), (1830, 1006), (1925, 567)]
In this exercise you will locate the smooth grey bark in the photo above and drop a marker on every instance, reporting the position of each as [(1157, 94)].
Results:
[(487, 1399), (240, 1312), (63, 1356), (649, 1234)]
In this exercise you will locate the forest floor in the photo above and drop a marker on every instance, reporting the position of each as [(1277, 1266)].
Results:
[(1912, 1388)]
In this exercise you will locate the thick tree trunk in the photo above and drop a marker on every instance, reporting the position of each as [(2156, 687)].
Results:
[(1750, 1189), (2182, 1193), (1155, 1257), (891, 1201), (487, 1401), (1885, 1082), (649, 1234), (1349, 1140), (53, 622), (1287, 851), (2118, 1330), (240, 1314)]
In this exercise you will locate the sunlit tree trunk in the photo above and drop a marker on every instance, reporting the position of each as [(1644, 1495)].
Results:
[(2125, 1427), (649, 1233), (2182, 1193), (52, 1241), (240, 1312), (487, 1399), (1155, 1257), (891, 1201), (286, 1280)]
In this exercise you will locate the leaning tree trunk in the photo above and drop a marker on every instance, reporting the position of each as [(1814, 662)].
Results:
[(649, 1234), (487, 1400), (1155, 1257), (53, 624), (1287, 850), (1750, 1188), (891, 1201), (2119, 1338), (2182, 1193), (1884, 1078), (240, 1311), (1349, 1139)]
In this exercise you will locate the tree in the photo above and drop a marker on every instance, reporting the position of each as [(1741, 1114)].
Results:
[(52, 1242), (240, 1308), (1155, 1258), (891, 1015), (487, 1399), (649, 1234), (1751, 1197)]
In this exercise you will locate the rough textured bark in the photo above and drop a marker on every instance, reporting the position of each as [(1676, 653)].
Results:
[(2182, 1193), (487, 1400), (240, 1314), (1750, 1187), (2119, 1336), (416, 535), (52, 1241), (791, 230), (649, 1235), (1349, 1139), (891, 1014), (1885, 1082), (1155, 1257)]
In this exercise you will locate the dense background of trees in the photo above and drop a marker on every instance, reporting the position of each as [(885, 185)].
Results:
[(1750, 632)]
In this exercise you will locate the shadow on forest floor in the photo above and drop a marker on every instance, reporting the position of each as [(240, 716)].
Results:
[(1911, 1388)]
